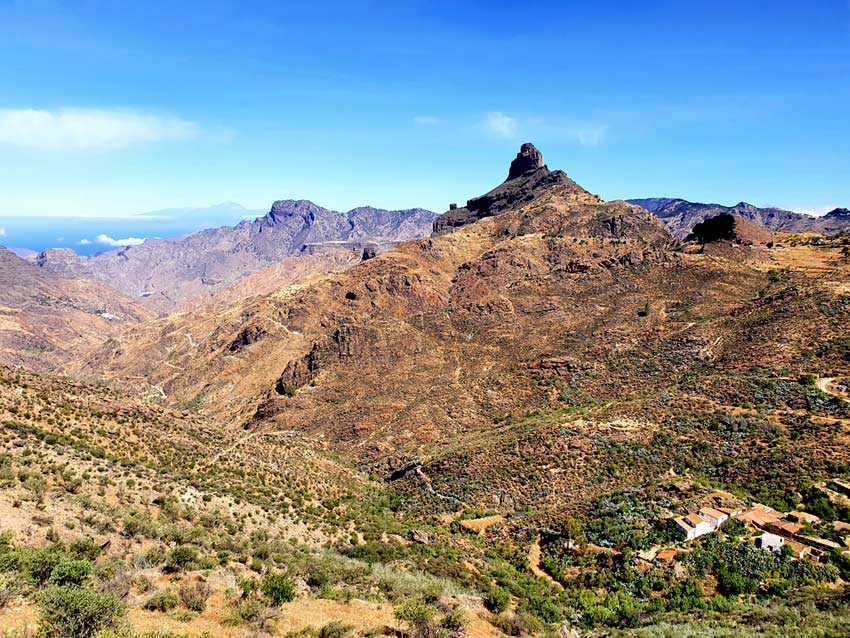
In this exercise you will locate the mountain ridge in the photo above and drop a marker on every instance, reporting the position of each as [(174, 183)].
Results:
[(527, 399), (169, 273), (681, 215)]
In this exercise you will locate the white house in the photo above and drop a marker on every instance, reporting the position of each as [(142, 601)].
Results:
[(692, 526), (771, 542), (713, 516)]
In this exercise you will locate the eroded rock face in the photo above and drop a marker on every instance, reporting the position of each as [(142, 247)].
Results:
[(730, 228), (248, 335), (528, 160), (345, 341)]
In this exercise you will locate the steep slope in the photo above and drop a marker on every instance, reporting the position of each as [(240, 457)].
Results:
[(680, 216), (166, 274), (45, 319), (289, 274), (560, 235)]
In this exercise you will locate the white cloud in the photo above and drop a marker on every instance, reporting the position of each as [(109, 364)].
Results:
[(587, 134), (426, 120), (84, 242), (2, 232), (584, 133), (501, 125), (817, 211), (87, 129), (128, 241)]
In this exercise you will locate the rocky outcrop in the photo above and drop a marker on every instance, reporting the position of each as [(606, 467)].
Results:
[(836, 214), (528, 160), (248, 335), (730, 228), (345, 341), (527, 178), (370, 251), (715, 228)]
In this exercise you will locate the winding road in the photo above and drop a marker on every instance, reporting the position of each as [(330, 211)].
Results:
[(824, 385)]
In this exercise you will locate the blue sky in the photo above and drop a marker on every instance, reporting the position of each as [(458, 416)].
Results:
[(113, 108)]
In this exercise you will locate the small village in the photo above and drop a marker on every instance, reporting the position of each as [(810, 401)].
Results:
[(792, 532)]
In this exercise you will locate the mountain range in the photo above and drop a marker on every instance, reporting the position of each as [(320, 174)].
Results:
[(166, 274), (680, 216), (534, 299)]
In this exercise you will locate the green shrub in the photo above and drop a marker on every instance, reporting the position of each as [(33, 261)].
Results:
[(516, 625), (245, 611), (180, 558), (808, 380), (165, 600), (37, 564), (455, 622), (248, 586), (84, 548), (415, 613), (732, 583), (278, 588), (497, 600), (74, 573), (76, 612)]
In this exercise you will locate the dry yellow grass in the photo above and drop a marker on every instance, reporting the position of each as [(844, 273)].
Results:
[(300, 614), (18, 616), (480, 525)]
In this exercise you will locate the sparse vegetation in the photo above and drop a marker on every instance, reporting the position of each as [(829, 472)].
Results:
[(278, 588)]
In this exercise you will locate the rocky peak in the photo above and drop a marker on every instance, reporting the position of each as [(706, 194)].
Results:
[(286, 208), (370, 251), (745, 207), (528, 160), (838, 213), (528, 178)]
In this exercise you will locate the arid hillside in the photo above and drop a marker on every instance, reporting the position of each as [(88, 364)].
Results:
[(47, 319), (536, 306)]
